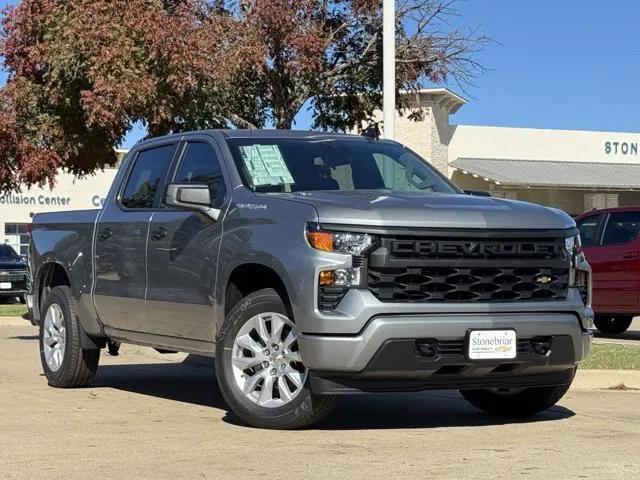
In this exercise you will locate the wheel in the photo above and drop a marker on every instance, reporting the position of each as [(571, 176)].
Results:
[(22, 299), (612, 324), (64, 362), (259, 369), (515, 402)]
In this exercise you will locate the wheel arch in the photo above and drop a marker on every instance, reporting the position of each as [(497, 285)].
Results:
[(50, 274), (250, 277)]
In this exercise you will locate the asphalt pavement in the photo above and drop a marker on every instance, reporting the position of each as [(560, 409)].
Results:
[(157, 417)]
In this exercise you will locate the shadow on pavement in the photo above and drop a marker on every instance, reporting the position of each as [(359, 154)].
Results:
[(628, 335), (193, 381), (24, 337), (180, 382)]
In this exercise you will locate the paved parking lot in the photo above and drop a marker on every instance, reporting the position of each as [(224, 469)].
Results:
[(157, 417)]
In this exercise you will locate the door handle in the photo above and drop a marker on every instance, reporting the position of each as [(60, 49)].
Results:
[(629, 255), (105, 233), (158, 233)]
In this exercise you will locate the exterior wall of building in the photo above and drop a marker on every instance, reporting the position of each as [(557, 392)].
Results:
[(572, 201), (470, 141), (429, 137), (69, 193)]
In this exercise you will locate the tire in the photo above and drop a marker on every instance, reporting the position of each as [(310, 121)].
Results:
[(22, 299), (528, 401), (72, 366), (304, 408), (612, 324)]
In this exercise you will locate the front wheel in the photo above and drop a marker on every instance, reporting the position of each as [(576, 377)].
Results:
[(612, 324), (259, 369), (515, 402), (64, 361)]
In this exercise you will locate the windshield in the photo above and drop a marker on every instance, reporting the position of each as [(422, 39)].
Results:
[(292, 165), (8, 253)]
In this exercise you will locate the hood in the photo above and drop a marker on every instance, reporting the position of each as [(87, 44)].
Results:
[(434, 210)]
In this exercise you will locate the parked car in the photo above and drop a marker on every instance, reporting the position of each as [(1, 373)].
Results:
[(612, 246), (13, 274), (311, 266)]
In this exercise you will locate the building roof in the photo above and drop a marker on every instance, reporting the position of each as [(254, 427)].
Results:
[(544, 173), (444, 97)]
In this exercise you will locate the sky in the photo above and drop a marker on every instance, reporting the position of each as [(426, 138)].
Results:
[(563, 64)]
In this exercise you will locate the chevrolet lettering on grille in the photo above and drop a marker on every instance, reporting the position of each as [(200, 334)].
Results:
[(466, 248)]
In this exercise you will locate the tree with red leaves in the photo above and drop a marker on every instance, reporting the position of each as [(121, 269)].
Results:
[(81, 72)]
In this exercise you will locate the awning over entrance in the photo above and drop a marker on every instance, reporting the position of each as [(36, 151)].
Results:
[(536, 173)]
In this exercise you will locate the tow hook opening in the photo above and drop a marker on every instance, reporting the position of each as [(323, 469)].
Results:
[(427, 348)]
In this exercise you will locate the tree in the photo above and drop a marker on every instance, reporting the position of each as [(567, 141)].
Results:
[(82, 71), (330, 53)]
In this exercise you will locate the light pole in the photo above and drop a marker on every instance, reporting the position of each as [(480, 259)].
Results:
[(389, 67)]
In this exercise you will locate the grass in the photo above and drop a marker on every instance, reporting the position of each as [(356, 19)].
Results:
[(12, 310), (613, 357)]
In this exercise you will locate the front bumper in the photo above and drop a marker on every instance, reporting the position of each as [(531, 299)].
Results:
[(353, 353), (385, 356)]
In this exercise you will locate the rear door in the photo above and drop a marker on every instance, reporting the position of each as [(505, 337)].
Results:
[(122, 229), (183, 250), (615, 263)]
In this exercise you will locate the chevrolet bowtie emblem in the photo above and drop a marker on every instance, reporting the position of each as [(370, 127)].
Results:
[(543, 279)]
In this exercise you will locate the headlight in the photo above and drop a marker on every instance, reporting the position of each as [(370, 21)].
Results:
[(356, 244), (573, 244), (340, 242), (580, 274)]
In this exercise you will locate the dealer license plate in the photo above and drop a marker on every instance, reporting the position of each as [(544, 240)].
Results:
[(5, 285), (492, 344)]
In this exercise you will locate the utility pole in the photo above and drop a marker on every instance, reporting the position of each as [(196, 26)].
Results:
[(389, 67)]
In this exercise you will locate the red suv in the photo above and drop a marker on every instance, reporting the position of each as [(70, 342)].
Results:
[(612, 247)]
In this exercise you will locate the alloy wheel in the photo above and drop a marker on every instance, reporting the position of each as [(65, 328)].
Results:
[(266, 360), (54, 337)]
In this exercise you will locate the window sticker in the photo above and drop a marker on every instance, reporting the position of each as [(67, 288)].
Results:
[(266, 165)]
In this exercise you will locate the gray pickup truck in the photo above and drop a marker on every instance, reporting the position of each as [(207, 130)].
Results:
[(314, 265)]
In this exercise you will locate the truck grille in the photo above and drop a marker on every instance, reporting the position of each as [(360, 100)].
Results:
[(11, 276), (476, 270)]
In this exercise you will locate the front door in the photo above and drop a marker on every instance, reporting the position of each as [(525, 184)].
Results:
[(616, 264), (121, 241), (183, 250)]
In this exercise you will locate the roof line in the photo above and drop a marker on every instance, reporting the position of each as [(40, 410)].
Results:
[(568, 162)]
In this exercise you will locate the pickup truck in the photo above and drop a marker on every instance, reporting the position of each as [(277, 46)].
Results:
[(611, 241), (13, 274), (314, 265)]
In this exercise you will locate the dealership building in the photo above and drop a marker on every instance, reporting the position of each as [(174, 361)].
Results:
[(568, 169)]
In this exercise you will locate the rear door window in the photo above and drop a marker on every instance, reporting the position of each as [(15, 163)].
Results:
[(148, 172), (589, 227), (622, 227)]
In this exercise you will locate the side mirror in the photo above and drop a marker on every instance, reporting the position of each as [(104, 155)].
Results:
[(478, 193), (194, 196)]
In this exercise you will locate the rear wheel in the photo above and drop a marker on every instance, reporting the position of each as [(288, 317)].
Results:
[(515, 402), (613, 324), (259, 368), (64, 361)]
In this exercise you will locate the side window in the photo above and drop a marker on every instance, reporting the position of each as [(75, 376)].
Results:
[(622, 227), (148, 171), (588, 228), (200, 165)]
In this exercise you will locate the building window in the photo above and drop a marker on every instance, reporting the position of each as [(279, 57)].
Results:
[(15, 234)]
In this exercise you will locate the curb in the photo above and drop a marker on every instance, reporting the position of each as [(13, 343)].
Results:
[(14, 322), (605, 379)]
